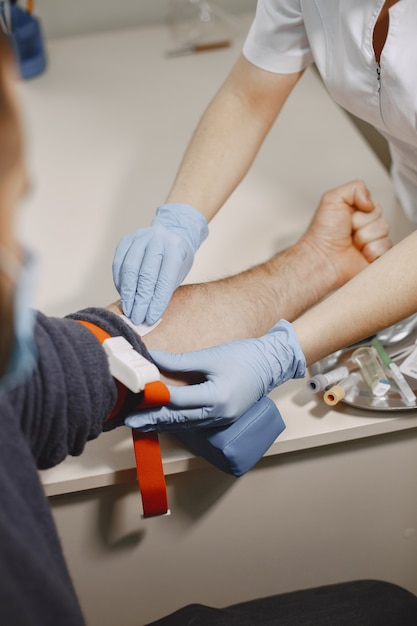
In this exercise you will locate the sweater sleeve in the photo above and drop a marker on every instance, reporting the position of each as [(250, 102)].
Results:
[(69, 395)]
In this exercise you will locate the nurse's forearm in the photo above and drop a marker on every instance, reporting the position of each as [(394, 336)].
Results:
[(383, 294), (229, 135)]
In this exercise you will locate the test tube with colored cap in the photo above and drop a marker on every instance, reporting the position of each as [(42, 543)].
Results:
[(319, 382), (336, 393)]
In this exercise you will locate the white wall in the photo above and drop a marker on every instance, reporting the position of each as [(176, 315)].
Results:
[(60, 18)]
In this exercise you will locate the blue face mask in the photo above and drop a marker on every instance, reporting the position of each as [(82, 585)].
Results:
[(23, 354)]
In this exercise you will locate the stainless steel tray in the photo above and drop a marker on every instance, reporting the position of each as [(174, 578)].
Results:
[(395, 339)]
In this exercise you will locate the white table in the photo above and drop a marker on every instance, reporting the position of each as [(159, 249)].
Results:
[(106, 126)]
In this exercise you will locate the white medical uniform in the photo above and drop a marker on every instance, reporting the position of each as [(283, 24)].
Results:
[(288, 35)]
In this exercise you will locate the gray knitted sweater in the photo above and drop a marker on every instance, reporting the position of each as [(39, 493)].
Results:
[(61, 406)]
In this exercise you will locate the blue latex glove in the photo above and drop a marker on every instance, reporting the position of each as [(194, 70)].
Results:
[(236, 375), (150, 263)]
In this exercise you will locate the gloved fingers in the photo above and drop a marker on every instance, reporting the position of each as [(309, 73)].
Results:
[(122, 249), (166, 420), (198, 361), (147, 275), (175, 265), (218, 397), (203, 396), (120, 266), (128, 259), (154, 264)]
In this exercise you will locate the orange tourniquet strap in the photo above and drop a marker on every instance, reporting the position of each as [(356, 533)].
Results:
[(149, 468), (98, 332), (150, 473)]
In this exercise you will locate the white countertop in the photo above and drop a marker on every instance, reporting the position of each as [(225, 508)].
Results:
[(309, 424), (107, 125)]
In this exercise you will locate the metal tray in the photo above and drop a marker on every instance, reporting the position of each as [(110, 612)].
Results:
[(395, 339)]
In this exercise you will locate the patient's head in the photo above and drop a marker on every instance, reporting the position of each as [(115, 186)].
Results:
[(12, 187)]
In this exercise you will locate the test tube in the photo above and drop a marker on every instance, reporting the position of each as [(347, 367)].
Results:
[(336, 393), (319, 382), (372, 371)]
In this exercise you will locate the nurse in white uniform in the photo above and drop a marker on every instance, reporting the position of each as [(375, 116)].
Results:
[(366, 52)]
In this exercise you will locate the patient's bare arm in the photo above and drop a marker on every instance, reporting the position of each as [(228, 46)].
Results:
[(345, 235), (382, 295)]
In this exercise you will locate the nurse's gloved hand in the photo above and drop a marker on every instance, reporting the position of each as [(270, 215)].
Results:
[(236, 375), (150, 263)]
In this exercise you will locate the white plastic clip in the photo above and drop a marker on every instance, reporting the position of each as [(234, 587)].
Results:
[(128, 366)]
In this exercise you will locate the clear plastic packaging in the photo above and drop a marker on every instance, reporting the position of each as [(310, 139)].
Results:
[(200, 23), (372, 370)]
